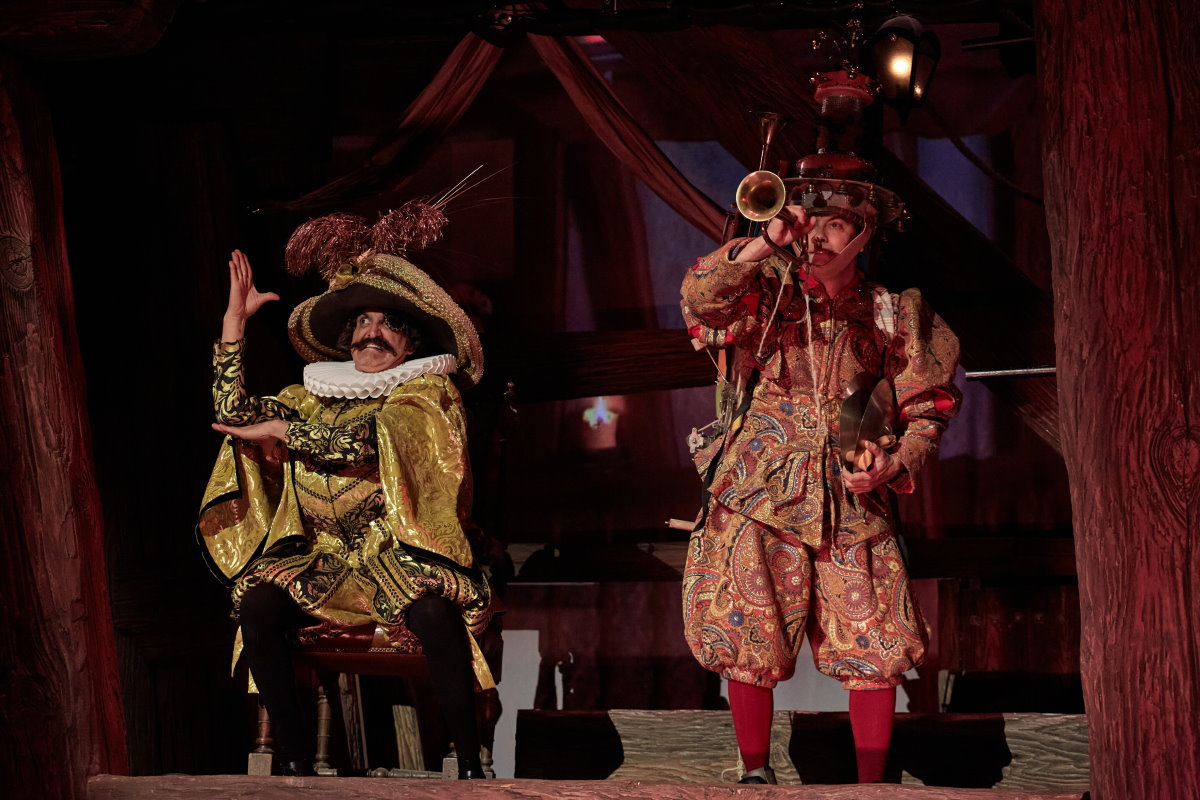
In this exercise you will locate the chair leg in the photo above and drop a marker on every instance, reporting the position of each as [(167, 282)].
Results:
[(450, 764), (324, 723), (408, 738), (262, 757)]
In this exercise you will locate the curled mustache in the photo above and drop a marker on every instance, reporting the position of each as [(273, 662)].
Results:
[(377, 341)]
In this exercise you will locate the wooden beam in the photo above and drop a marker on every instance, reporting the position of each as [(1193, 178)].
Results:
[(69, 31), (593, 363)]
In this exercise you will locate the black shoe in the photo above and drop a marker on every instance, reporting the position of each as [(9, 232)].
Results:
[(470, 772), (762, 775), (297, 769)]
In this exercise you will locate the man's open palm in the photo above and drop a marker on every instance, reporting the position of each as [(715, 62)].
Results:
[(244, 298)]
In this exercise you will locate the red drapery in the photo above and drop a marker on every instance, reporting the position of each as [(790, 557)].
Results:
[(621, 134)]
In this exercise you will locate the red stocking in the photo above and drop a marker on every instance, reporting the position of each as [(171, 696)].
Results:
[(871, 713), (752, 707)]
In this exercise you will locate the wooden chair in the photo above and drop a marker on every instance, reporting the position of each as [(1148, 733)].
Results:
[(333, 660)]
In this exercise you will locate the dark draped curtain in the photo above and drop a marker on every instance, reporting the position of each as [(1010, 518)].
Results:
[(448, 96)]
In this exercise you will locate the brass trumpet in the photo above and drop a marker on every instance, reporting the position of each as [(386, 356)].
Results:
[(761, 196)]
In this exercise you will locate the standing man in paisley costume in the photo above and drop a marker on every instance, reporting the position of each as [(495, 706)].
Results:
[(341, 502), (793, 543)]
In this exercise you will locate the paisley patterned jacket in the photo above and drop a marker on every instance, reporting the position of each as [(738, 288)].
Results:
[(783, 465)]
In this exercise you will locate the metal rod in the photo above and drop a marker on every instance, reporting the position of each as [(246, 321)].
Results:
[(1010, 373), (982, 44)]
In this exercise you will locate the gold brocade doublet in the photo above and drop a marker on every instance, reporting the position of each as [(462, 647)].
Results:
[(363, 514), (338, 502)]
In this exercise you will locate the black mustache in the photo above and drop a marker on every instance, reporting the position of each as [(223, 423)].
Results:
[(377, 341)]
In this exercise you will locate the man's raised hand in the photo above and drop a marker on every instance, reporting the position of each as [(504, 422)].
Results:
[(244, 298)]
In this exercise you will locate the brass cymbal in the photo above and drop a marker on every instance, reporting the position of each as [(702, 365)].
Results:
[(869, 413)]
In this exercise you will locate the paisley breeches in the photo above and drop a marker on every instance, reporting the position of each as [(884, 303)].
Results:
[(750, 594)]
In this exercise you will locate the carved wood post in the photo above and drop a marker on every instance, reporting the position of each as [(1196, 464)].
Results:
[(324, 728), (1121, 85), (61, 697)]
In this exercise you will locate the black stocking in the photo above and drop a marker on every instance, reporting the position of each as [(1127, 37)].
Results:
[(268, 617), (438, 624)]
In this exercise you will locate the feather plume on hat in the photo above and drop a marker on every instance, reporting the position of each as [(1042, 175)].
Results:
[(327, 243), (367, 266)]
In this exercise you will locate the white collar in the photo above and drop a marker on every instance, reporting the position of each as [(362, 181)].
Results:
[(342, 378)]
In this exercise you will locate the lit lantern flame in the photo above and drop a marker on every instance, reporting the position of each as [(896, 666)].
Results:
[(598, 414), (901, 65)]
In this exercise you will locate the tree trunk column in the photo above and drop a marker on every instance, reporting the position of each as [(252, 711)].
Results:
[(61, 696), (1120, 84)]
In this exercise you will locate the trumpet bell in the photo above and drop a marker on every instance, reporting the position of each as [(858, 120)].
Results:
[(761, 195)]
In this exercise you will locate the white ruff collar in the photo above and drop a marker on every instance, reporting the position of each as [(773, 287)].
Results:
[(342, 379)]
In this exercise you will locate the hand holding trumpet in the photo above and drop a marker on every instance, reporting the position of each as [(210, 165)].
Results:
[(761, 197), (791, 224)]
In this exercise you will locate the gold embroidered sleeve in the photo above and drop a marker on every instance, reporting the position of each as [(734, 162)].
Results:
[(921, 361), (353, 442), (233, 406)]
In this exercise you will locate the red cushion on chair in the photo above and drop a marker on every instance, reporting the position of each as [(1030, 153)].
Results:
[(365, 649)]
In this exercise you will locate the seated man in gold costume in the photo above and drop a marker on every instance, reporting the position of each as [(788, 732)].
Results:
[(341, 502)]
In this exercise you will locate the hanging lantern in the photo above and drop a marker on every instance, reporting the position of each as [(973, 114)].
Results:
[(905, 57)]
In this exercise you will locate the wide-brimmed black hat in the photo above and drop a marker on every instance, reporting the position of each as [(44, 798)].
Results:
[(366, 268), (386, 282)]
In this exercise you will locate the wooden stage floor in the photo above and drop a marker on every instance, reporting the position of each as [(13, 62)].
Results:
[(205, 787)]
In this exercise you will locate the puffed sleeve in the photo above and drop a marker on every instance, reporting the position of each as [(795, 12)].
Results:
[(921, 363), (721, 297)]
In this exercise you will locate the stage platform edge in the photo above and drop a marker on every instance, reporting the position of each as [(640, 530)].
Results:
[(204, 787)]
